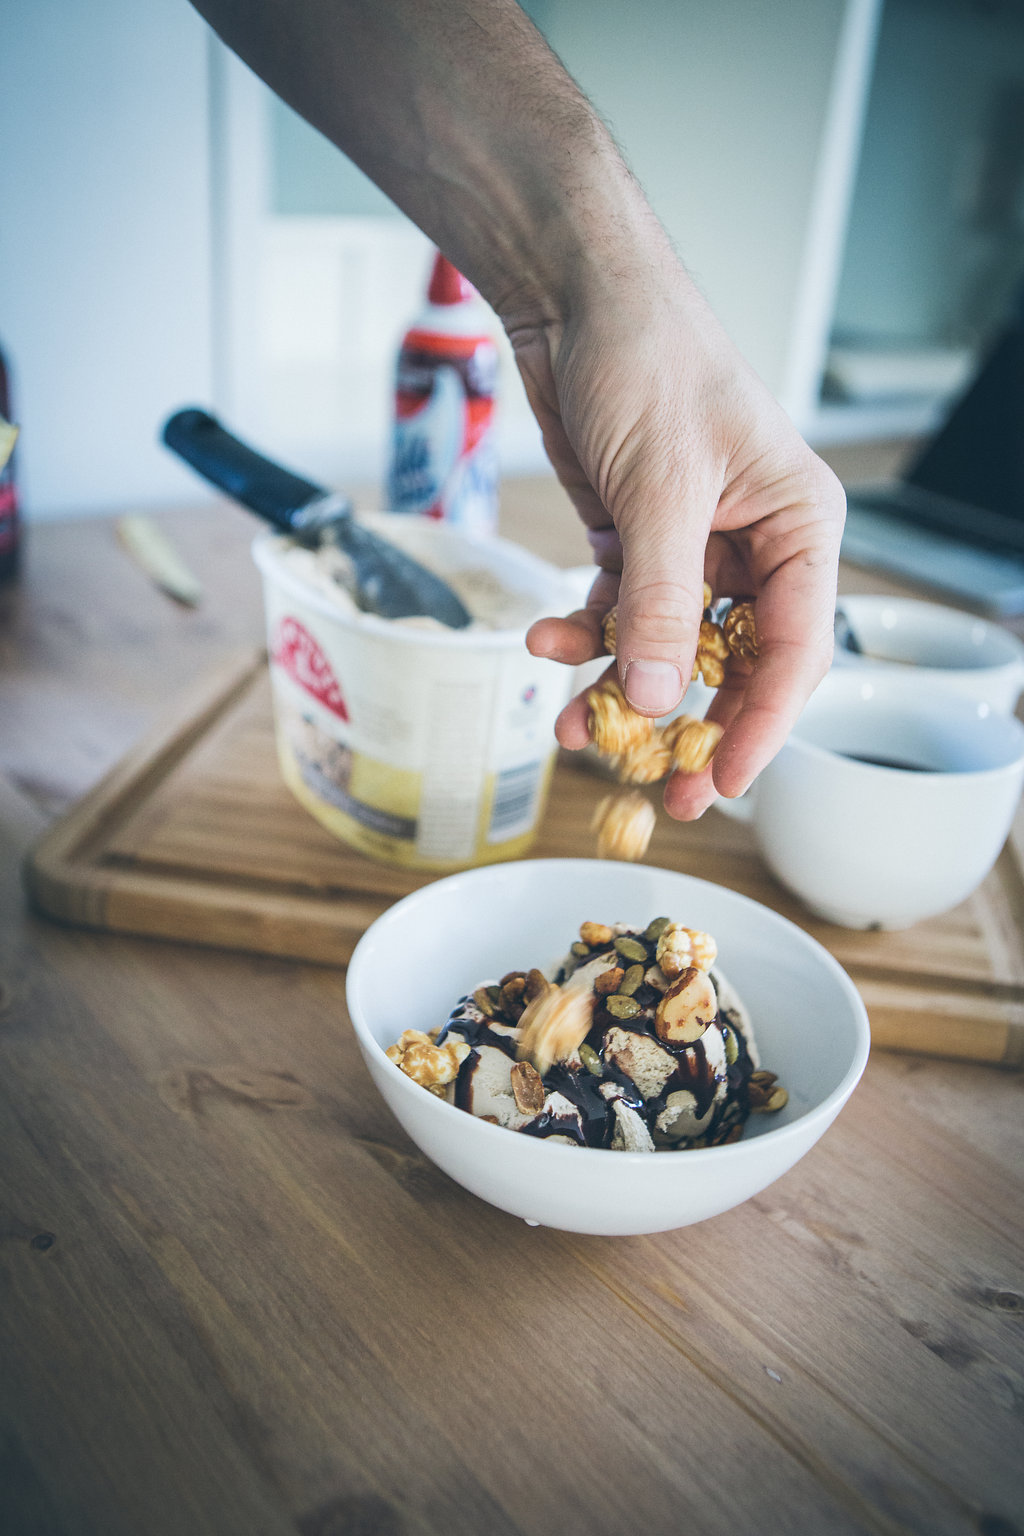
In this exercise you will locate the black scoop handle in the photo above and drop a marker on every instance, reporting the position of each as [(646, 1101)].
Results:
[(264, 487)]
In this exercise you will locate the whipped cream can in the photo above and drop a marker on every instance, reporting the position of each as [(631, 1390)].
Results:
[(420, 746), (443, 462)]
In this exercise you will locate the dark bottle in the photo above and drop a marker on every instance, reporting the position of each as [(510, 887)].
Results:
[(10, 521)]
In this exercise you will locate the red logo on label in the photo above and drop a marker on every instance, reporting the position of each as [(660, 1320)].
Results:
[(300, 655)]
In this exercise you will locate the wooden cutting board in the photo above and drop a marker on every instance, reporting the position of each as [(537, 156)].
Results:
[(194, 837)]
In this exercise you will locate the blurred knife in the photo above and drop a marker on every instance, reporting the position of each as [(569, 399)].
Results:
[(388, 582)]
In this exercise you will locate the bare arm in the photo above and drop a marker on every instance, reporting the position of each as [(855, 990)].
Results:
[(678, 460)]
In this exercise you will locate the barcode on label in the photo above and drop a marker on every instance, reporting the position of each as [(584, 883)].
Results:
[(515, 801)]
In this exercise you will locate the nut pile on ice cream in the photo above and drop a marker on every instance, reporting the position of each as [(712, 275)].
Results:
[(636, 1044)]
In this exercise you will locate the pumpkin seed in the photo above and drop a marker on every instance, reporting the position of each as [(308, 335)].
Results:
[(632, 979), (580, 949), (630, 949), (656, 928), (732, 1046), (622, 1007), (591, 1060)]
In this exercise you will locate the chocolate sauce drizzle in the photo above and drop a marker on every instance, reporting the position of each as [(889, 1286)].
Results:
[(694, 1072)]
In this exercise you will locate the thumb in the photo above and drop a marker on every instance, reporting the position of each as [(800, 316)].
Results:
[(661, 601)]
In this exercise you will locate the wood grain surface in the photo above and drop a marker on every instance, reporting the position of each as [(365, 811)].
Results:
[(234, 1299)]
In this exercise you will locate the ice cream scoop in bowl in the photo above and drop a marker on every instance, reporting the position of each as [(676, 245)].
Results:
[(437, 945)]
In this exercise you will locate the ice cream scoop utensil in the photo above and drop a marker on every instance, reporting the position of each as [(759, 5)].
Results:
[(388, 582)]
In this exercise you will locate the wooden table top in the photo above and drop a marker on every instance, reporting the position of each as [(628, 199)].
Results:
[(234, 1299)]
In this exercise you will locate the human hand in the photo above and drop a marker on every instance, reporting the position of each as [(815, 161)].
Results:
[(684, 468)]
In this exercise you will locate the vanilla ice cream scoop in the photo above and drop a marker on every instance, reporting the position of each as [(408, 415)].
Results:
[(651, 1061)]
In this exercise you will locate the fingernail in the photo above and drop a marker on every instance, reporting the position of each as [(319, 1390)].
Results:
[(653, 685)]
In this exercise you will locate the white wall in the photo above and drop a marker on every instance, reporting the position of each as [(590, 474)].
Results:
[(143, 265), (104, 243)]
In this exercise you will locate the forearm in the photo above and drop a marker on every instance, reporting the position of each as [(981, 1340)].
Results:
[(464, 117)]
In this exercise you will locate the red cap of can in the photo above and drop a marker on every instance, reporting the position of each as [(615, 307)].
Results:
[(447, 284)]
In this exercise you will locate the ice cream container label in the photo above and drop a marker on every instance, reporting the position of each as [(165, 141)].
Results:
[(431, 752)]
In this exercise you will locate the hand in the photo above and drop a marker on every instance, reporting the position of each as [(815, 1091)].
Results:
[(684, 468)]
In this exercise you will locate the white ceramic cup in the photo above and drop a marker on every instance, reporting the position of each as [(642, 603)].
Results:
[(933, 644), (873, 846)]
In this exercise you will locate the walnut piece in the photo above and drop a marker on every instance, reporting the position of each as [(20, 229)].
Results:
[(609, 626), (624, 823), (614, 727), (741, 632), (712, 653)]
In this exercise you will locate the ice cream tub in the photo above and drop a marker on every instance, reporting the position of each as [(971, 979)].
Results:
[(419, 745)]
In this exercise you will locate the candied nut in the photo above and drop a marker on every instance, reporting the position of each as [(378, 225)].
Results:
[(432, 1066), (614, 726), (596, 934), (680, 947), (624, 823), (710, 670), (740, 631), (708, 595), (694, 746), (608, 981), (527, 1088), (646, 762), (555, 1024), (608, 630), (687, 1008)]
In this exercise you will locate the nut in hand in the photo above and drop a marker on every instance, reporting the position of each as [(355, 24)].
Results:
[(687, 1008), (608, 630), (740, 631), (624, 824), (614, 727), (692, 742), (712, 654)]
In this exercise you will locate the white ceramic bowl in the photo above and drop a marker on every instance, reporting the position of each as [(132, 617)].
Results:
[(934, 644), (414, 962)]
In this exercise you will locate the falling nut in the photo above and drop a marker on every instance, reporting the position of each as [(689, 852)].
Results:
[(624, 824), (645, 762), (687, 1008), (693, 746), (554, 1024)]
